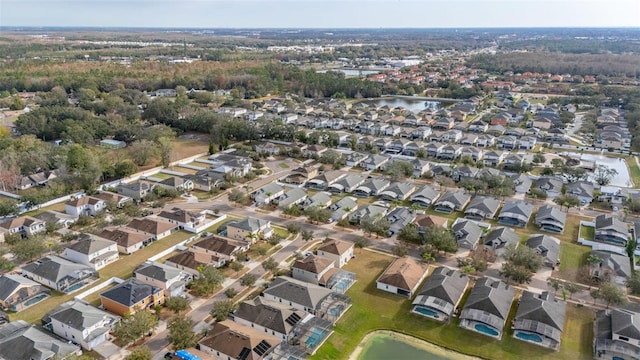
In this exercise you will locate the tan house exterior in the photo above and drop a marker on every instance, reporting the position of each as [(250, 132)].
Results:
[(131, 296), (337, 250)]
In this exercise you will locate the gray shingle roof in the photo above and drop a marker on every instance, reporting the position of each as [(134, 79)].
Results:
[(611, 223), (547, 246), (467, 233), (457, 198), (541, 313), (269, 314), (483, 206), (443, 289), (551, 212), (249, 224), (130, 292), (157, 271), (22, 341), (501, 236), (55, 268), (90, 245), (9, 283), (80, 315), (489, 302), (520, 210), (296, 291)]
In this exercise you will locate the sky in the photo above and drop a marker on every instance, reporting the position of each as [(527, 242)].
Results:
[(321, 13)]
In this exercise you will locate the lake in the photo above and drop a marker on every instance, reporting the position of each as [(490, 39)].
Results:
[(621, 179), (413, 105), (389, 345), (351, 72)]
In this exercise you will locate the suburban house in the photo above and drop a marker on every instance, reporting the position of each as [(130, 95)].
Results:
[(425, 221), (224, 248), (127, 240), (371, 187), (229, 340), (85, 205), (611, 230), (22, 226), (615, 267), (20, 340), (452, 201), (80, 323), (548, 247), (92, 251), (398, 191), (301, 175), (267, 193), (176, 183), (540, 319), (337, 250), (343, 208), (481, 208), (399, 218), (440, 295), (249, 228), (267, 148), (516, 213), (158, 229), (467, 233), (109, 197), (192, 260), (61, 220), (269, 317), (130, 296), (374, 162), (425, 196), (292, 197), (166, 277), (500, 237), (187, 220), (320, 199), (17, 292), (487, 307), (321, 182), (37, 179), (583, 190), (316, 300), (355, 158), (550, 218), (372, 211), (136, 190), (312, 268), (59, 274), (616, 334), (402, 276), (346, 184), (550, 185)]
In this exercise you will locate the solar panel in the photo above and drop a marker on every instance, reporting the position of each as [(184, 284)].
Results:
[(244, 353), (293, 319), (262, 348)]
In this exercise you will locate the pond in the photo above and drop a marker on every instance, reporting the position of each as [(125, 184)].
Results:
[(621, 179), (389, 345), (351, 72)]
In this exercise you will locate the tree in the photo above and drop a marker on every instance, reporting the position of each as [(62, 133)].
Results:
[(630, 248), (440, 238), (270, 265), (375, 224), (222, 309), (571, 288), (307, 235), (361, 242), (633, 283), (238, 197), (177, 304), (248, 280), (29, 249), (399, 250), (8, 207), (181, 334), (236, 266), (567, 201), (142, 151), (133, 327), (521, 263), (318, 214), (410, 234), (165, 145), (140, 353), (573, 174), (209, 279), (293, 228), (612, 294), (538, 158), (399, 169), (554, 283), (124, 168), (603, 174)]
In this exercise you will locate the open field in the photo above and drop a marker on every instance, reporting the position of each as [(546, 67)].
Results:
[(183, 148), (374, 309), (122, 268)]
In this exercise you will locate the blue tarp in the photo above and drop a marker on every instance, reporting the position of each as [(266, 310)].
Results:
[(184, 354)]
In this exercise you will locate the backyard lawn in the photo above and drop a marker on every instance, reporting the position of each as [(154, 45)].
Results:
[(122, 268), (374, 309), (634, 170), (588, 232)]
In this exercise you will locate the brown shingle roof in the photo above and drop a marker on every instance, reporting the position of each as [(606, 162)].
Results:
[(233, 339), (219, 244), (334, 246), (151, 226), (404, 273), (431, 220), (313, 264), (123, 237), (19, 221), (193, 259)]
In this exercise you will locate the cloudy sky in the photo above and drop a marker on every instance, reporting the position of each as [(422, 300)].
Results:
[(321, 13)]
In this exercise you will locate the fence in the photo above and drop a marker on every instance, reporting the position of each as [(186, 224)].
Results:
[(178, 246), (113, 280)]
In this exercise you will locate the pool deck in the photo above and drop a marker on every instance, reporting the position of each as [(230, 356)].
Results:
[(435, 349)]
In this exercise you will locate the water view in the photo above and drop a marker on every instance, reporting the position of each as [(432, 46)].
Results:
[(388, 345), (351, 72), (621, 179)]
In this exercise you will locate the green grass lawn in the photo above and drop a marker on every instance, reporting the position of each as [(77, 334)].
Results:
[(162, 176), (281, 231), (55, 207), (634, 170), (201, 195), (214, 228), (374, 309), (122, 268), (572, 256), (283, 165), (588, 232)]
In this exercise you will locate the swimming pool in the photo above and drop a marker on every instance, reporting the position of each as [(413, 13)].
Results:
[(529, 337), (426, 312), (342, 285), (75, 287), (336, 311), (316, 337), (482, 328), (35, 299)]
